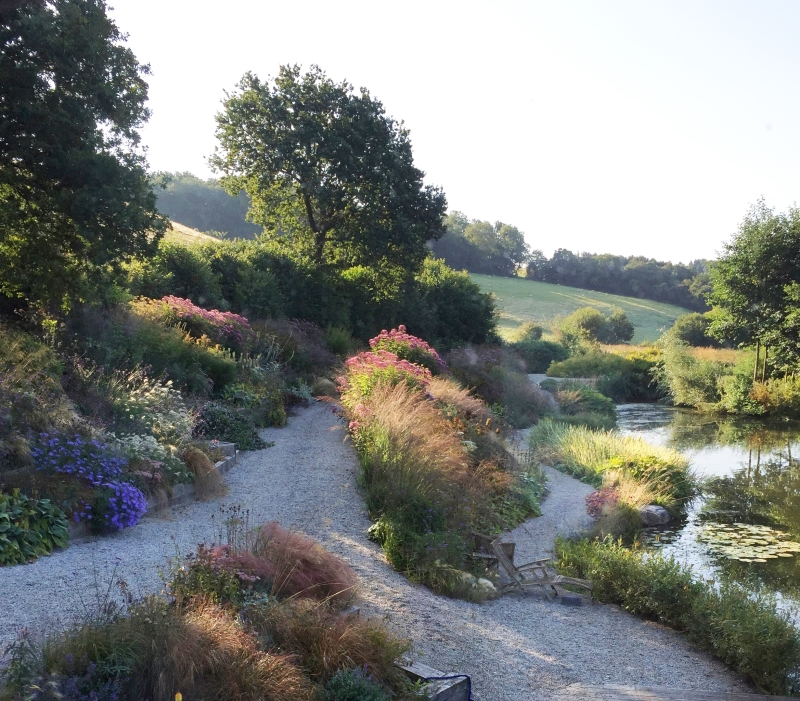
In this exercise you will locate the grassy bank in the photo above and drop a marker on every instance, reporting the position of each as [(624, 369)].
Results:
[(745, 632), (520, 301)]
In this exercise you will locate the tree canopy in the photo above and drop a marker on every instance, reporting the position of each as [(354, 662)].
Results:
[(75, 200), (482, 247), (327, 171), (756, 283)]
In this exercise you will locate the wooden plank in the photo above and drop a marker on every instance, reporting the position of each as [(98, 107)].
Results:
[(583, 692)]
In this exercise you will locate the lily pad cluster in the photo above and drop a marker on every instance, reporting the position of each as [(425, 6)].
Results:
[(747, 542)]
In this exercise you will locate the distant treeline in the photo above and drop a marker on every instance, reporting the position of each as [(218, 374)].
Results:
[(633, 276), (500, 249), (204, 205)]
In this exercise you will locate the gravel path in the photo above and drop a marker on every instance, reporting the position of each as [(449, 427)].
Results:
[(519, 646)]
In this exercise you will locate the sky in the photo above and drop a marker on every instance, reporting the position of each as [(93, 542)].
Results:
[(629, 127)]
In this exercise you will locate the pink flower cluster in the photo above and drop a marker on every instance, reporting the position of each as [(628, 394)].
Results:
[(370, 362), (225, 328), (406, 346)]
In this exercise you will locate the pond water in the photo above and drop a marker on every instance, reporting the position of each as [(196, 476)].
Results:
[(745, 526)]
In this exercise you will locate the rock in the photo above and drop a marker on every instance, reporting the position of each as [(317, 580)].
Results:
[(653, 515)]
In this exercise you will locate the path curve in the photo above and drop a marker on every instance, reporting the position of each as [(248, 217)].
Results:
[(519, 646)]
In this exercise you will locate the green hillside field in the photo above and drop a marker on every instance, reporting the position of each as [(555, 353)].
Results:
[(520, 300)]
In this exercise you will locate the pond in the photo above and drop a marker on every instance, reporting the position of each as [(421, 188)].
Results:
[(745, 526)]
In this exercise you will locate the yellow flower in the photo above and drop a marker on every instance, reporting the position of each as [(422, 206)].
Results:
[(179, 696)]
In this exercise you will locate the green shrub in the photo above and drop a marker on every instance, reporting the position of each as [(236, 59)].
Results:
[(590, 325), (177, 270), (580, 404), (340, 340), (225, 423), (744, 630), (539, 355), (690, 381), (353, 685), (692, 329), (623, 379), (29, 528)]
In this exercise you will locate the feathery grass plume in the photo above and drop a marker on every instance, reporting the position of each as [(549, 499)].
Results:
[(447, 392)]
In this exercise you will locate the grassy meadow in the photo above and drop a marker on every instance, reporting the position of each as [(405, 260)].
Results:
[(186, 235), (521, 300)]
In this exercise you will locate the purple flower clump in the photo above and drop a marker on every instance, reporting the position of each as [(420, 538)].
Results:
[(89, 460), (119, 504)]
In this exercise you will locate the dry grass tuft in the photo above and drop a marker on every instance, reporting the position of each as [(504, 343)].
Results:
[(302, 567), (205, 653), (326, 642), (207, 479)]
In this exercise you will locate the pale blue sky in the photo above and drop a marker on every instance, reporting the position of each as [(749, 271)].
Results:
[(624, 127)]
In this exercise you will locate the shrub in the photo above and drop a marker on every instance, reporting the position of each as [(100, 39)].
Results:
[(495, 376), (745, 631), (122, 339), (303, 567), (540, 355), (692, 329), (527, 332), (433, 475), (589, 325), (176, 270), (141, 404), (326, 642), (340, 340), (581, 404), (31, 397), (410, 348), (224, 423), (207, 479), (29, 528), (690, 381), (622, 378), (460, 312), (353, 685)]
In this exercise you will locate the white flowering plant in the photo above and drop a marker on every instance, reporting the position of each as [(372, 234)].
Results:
[(157, 408)]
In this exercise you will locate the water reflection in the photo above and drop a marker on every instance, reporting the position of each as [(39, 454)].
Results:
[(751, 475)]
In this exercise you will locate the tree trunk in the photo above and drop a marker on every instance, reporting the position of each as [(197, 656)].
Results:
[(320, 233), (755, 365), (764, 368)]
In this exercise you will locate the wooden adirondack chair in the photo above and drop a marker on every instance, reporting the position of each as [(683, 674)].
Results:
[(532, 574)]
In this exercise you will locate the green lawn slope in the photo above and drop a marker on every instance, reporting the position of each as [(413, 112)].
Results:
[(521, 300)]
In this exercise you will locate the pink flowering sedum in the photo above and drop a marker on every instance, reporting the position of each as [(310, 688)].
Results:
[(223, 328), (410, 348), (366, 370)]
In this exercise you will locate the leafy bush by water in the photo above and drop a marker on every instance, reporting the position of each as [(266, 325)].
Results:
[(744, 630)]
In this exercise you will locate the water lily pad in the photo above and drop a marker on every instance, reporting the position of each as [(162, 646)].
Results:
[(747, 542)]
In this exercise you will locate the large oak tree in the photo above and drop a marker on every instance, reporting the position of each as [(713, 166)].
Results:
[(75, 200), (327, 171)]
